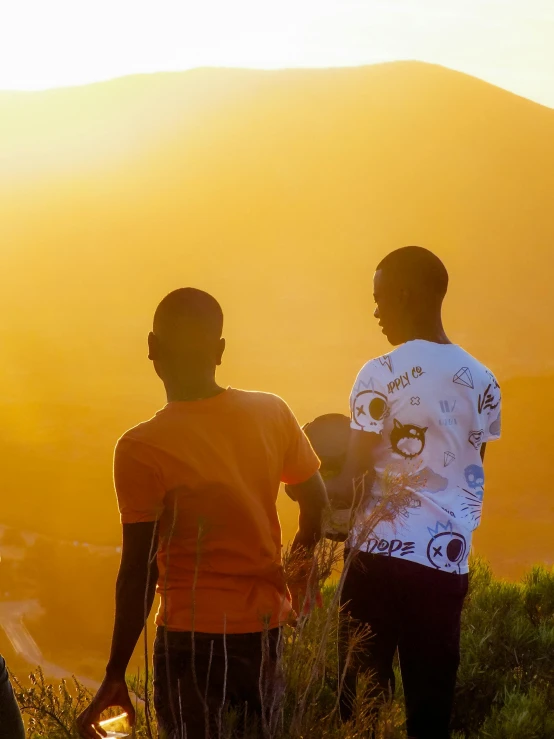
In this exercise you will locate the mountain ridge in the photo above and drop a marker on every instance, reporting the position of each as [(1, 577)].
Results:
[(99, 103), (208, 69)]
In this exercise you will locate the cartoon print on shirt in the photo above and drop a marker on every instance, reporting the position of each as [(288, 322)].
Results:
[(463, 377), (369, 410), (448, 406), (407, 440), (446, 548), (441, 409), (475, 476), (493, 380), (475, 438), (489, 400), (472, 505), (427, 480), (449, 457), (412, 510), (494, 428)]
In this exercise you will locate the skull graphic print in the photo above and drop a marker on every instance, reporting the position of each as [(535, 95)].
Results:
[(369, 410), (447, 548)]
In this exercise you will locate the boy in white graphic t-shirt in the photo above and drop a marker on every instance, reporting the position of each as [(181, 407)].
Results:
[(426, 412)]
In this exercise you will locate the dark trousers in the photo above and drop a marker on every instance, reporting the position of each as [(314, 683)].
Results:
[(197, 678), (414, 609), (11, 725)]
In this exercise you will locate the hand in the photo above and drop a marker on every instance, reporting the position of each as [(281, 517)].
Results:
[(112, 692)]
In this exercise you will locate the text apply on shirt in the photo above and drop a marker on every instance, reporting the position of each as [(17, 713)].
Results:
[(404, 380)]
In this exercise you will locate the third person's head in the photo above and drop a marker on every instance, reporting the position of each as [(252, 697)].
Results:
[(409, 287)]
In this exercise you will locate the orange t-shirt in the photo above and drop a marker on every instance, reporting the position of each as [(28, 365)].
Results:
[(209, 470)]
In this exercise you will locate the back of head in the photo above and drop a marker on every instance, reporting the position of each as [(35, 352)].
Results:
[(188, 324), (409, 286), (329, 435), (418, 270)]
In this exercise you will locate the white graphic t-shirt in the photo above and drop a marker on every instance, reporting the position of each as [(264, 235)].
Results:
[(434, 405)]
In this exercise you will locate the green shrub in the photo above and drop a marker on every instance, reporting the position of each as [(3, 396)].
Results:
[(521, 716), (507, 645), (505, 682)]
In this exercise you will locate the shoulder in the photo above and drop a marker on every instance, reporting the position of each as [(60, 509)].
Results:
[(262, 403), (475, 372), (257, 398), (143, 433), (490, 377), (379, 370)]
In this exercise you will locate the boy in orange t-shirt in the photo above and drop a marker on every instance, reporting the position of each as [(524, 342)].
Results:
[(198, 484)]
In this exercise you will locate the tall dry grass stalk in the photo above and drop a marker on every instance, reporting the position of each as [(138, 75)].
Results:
[(505, 682), (304, 663), (307, 673), (300, 691)]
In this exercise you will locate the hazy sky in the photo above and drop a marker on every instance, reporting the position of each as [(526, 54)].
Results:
[(51, 43)]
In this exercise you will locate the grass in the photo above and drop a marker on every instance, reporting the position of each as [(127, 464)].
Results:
[(505, 686), (505, 682)]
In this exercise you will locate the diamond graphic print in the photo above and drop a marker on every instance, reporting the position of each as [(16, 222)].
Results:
[(448, 458), (463, 377)]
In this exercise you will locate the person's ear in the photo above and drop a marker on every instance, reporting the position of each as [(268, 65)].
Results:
[(153, 347), (220, 350)]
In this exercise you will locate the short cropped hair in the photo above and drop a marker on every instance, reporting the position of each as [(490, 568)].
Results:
[(188, 313), (414, 265)]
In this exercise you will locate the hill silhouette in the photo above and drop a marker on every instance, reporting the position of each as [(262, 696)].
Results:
[(278, 192)]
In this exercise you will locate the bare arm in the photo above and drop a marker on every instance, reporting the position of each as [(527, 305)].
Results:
[(483, 450), (134, 595), (359, 461), (311, 496), (135, 588), (303, 574)]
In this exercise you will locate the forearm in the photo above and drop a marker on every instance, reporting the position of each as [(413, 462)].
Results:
[(353, 483), (357, 474), (312, 500), (135, 592), (308, 534)]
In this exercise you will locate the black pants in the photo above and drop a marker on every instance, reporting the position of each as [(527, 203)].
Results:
[(196, 681), (11, 725), (414, 609)]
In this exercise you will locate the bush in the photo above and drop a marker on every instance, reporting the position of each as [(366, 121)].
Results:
[(505, 682), (507, 647), (51, 711), (521, 716)]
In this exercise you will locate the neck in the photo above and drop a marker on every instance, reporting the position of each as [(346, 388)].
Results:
[(428, 330), (198, 387)]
